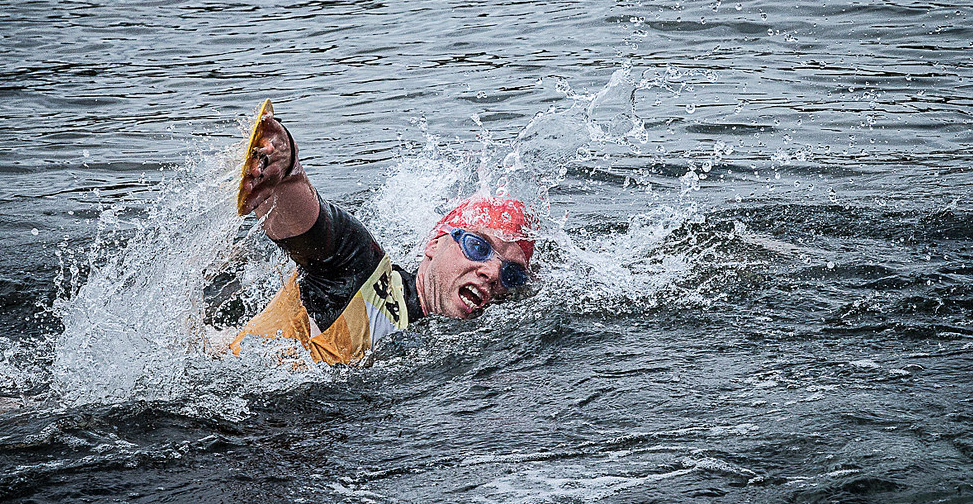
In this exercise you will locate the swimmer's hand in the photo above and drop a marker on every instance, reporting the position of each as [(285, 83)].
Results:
[(273, 183), (271, 162)]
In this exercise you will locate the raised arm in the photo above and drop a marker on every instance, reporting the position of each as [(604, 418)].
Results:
[(274, 183), (333, 250)]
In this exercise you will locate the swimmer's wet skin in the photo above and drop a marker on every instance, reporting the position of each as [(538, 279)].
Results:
[(346, 294)]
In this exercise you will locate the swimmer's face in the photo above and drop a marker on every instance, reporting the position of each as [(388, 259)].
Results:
[(451, 284)]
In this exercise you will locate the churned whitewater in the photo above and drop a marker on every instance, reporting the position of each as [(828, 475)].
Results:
[(754, 261)]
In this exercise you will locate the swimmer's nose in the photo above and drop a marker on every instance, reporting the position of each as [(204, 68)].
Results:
[(490, 270)]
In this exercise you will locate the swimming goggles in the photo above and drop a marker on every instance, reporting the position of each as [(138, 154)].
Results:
[(476, 248)]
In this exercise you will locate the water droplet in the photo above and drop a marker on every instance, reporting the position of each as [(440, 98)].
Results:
[(34, 232), (739, 6), (690, 108), (85, 153), (830, 265), (763, 15)]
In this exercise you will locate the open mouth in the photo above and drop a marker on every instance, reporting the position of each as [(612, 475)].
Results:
[(472, 296)]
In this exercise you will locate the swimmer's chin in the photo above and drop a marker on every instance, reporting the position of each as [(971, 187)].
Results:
[(464, 315)]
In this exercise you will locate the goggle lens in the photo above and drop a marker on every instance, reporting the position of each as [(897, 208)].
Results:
[(476, 248), (512, 275)]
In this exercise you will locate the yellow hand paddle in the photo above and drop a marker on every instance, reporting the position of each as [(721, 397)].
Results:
[(255, 135)]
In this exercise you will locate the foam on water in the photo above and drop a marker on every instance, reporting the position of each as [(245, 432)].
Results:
[(573, 483)]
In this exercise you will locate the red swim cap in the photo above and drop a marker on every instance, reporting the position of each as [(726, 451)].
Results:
[(508, 218)]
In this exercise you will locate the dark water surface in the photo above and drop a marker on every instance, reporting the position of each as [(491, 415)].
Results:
[(757, 262)]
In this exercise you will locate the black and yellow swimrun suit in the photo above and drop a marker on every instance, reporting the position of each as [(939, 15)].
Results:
[(345, 283)]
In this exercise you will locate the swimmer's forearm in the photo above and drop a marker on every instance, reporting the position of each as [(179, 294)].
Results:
[(292, 208)]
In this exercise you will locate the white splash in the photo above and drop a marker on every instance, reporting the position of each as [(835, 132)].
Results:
[(135, 331)]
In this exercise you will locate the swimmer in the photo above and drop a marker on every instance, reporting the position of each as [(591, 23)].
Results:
[(345, 294)]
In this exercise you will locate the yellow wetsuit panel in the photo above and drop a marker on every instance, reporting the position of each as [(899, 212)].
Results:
[(285, 313), (377, 309), (347, 339)]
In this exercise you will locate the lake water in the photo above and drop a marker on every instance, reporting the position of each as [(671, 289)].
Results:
[(755, 266)]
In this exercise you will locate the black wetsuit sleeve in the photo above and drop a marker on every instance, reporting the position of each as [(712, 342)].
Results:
[(335, 257)]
